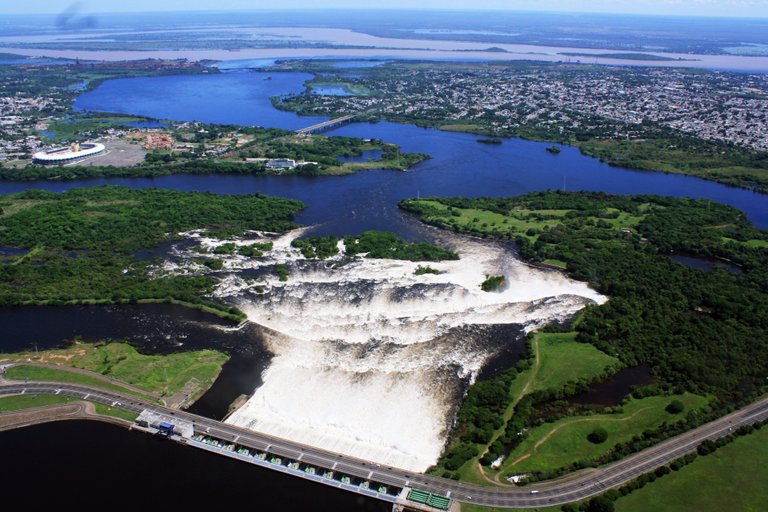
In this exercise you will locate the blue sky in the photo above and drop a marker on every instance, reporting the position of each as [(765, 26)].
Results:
[(739, 8)]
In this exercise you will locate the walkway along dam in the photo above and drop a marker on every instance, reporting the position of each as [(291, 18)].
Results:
[(394, 485)]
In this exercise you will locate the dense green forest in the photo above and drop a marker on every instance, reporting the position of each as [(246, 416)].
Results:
[(157, 167), (374, 244), (702, 331), (81, 243)]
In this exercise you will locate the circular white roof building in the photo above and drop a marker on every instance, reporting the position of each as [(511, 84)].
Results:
[(68, 154)]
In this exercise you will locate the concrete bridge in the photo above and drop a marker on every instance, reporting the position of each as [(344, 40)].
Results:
[(327, 125), (397, 486)]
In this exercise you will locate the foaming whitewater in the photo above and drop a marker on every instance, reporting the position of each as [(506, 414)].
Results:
[(370, 359)]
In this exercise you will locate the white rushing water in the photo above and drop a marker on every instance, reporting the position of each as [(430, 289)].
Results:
[(371, 360)]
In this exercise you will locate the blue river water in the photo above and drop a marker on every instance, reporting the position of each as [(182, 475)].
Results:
[(367, 200), (233, 97)]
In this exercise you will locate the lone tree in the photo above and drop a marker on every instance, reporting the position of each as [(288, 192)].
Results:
[(675, 407), (597, 436)]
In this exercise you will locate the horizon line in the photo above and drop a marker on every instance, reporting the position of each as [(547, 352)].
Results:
[(412, 9)]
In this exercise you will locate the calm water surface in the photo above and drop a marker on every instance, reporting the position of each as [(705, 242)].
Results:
[(95, 466), (368, 200)]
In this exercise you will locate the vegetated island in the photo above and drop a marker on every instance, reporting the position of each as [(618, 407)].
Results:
[(701, 332), (78, 247), (377, 245), (491, 140), (624, 56)]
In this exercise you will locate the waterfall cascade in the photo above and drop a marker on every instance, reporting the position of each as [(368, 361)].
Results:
[(370, 359)]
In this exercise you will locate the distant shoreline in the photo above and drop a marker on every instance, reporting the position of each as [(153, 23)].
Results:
[(362, 46)]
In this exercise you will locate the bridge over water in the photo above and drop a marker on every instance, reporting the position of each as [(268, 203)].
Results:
[(327, 125), (398, 486)]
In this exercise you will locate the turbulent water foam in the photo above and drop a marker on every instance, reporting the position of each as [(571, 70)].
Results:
[(371, 360)]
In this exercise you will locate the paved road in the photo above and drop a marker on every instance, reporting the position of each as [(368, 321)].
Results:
[(554, 492)]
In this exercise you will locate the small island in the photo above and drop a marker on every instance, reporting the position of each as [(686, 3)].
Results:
[(377, 245), (554, 150), (493, 283), (491, 140)]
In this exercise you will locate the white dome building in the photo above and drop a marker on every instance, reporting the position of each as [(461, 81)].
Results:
[(73, 153)]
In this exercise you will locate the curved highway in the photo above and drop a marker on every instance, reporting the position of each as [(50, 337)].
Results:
[(553, 492)]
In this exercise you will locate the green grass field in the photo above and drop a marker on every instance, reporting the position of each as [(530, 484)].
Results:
[(563, 360), (732, 478), (555, 445), (72, 130), (106, 410), (166, 374), (467, 507), (18, 402), (517, 222), (38, 373), (753, 244)]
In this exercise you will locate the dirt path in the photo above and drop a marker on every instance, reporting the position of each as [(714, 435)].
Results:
[(534, 372)]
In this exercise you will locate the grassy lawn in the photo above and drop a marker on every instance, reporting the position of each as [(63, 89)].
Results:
[(564, 360), (18, 402), (732, 478), (72, 129), (38, 373), (554, 445), (490, 220), (466, 507), (752, 244), (106, 410), (465, 128), (517, 221), (166, 374), (560, 359), (556, 263)]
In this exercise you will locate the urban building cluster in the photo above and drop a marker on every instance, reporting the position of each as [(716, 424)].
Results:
[(567, 99)]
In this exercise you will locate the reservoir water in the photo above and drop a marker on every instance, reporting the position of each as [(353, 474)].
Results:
[(95, 466)]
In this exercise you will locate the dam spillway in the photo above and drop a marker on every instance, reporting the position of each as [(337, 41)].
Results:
[(372, 360)]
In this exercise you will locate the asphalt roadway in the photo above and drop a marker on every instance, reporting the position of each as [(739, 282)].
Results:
[(554, 492)]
